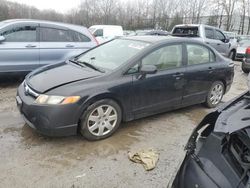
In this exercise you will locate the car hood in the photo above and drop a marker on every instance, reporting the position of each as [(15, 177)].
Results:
[(50, 77)]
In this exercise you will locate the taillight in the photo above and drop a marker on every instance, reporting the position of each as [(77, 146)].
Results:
[(94, 38), (248, 51)]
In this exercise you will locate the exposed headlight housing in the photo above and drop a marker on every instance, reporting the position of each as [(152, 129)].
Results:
[(49, 99)]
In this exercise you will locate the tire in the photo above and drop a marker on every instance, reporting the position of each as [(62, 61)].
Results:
[(100, 120), (244, 69), (217, 90), (232, 55)]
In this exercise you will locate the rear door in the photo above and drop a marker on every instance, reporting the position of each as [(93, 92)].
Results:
[(163, 90), (20, 50), (56, 44), (202, 70)]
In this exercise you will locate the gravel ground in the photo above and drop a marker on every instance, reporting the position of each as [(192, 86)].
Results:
[(32, 160)]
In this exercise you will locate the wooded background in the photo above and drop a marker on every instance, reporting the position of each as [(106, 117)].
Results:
[(231, 15)]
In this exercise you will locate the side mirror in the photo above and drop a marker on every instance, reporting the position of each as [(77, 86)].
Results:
[(148, 69), (2, 38), (226, 40)]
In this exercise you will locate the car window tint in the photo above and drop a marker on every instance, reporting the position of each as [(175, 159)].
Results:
[(55, 35), (98, 33), (192, 31), (198, 54), (20, 34), (209, 33), (165, 58), (81, 38), (219, 35)]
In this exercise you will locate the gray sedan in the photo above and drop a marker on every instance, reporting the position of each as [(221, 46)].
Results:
[(28, 44)]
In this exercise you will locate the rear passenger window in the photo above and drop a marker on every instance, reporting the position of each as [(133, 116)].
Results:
[(55, 35), (20, 34), (198, 54), (209, 33), (81, 38), (167, 57)]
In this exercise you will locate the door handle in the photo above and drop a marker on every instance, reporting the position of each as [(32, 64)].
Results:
[(210, 70), (178, 75), (218, 44), (69, 46), (30, 46), (207, 43)]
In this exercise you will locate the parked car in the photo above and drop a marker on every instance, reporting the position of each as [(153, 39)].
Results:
[(244, 37), (246, 61), (233, 37), (104, 33), (218, 150), (28, 44), (122, 80), (129, 33), (209, 35), (241, 50)]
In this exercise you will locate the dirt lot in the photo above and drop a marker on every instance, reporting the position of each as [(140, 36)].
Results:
[(31, 160)]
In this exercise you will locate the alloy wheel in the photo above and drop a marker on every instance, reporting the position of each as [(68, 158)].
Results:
[(216, 94), (102, 120)]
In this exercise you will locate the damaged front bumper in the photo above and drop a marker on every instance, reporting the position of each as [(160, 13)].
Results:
[(211, 159)]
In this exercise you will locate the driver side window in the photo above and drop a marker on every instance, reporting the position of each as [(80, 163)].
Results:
[(219, 35), (167, 57)]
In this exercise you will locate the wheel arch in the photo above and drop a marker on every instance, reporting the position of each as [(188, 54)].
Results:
[(101, 96)]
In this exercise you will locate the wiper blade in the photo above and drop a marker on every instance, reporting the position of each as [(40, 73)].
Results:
[(91, 66), (84, 64), (76, 62)]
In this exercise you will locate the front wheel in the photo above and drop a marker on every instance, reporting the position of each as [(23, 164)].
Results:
[(215, 94), (100, 120), (232, 55)]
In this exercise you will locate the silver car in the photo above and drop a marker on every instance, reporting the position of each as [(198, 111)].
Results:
[(210, 35), (28, 44)]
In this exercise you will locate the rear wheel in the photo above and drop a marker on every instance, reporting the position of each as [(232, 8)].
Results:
[(100, 120), (215, 94), (244, 69)]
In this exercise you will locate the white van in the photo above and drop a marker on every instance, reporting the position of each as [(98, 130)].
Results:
[(105, 33)]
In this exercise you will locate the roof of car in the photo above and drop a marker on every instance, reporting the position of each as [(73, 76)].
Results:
[(42, 21), (158, 39)]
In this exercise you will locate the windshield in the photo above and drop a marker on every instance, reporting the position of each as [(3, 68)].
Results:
[(113, 54), (244, 43)]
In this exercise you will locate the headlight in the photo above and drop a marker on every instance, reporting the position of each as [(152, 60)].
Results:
[(47, 99)]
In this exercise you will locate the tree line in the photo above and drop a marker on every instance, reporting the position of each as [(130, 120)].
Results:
[(143, 14)]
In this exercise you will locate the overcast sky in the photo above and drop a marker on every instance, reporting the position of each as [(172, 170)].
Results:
[(58, 5)]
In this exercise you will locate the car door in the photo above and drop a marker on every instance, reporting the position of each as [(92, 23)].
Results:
[(200, 73), (210, 38), (20, 49), (56, 44), (163, 90), (222, 45)]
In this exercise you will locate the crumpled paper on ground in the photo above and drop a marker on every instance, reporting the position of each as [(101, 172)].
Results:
[(148, 158)]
